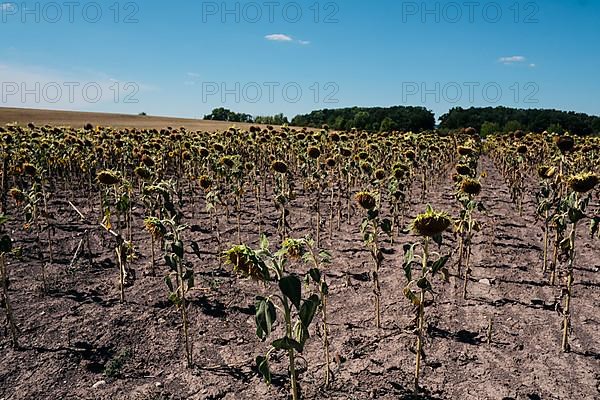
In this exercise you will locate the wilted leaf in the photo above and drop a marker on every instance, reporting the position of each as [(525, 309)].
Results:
[(263, 368), (291, 287), (177, 247), (409, 294), (439, 264), (265, 317), (308, 310), (315, 274), (287, 343)]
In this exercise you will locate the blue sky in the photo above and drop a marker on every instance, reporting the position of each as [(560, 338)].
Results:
[(185, 58)]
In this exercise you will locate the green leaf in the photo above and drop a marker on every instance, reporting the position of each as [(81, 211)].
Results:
[(325, 257), (372, 214), (196, 249), (170, 260), (439, 264), (169, 283), (438, 239), (263, 368), (174, 298), (575, 215), (265, 317), (188, 276), (409, 256), (177, 247), (445, 275), (308, 310), (315, 274), (287, 343), (424, 284), (291, 287), (3, 219), (301, 334)]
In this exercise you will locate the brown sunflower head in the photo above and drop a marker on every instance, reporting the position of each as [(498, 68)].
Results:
[(366, 200), (313, 152), (583, 183), (143, 173), (108, 177), (546, 172), (240, 257), (470, 186), (279, 167), (431, 223), (564, 143), (380, 174), (30, 169), (205, 182), (465, 150)]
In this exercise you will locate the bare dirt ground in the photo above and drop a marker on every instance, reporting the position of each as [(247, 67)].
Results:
[(23, 116), (72, 334)]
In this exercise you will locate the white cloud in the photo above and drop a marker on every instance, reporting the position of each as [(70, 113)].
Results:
[(193, 75), (303, 42), (532, 65), (189, 83), (512, 60), (279, 37)]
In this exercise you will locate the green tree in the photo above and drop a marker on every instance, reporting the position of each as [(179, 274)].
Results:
[(489, 128)]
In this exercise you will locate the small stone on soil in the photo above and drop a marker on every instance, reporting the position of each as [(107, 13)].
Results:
[(98, 384)]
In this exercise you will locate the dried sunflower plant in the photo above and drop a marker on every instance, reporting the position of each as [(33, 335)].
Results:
[(430, 226), (285, 296)]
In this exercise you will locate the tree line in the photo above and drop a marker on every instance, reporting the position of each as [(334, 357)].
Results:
[(375, 119), (488, 120), (223, 114)]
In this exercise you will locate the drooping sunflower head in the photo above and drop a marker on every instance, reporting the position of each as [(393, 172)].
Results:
[(227, 161), (108, 177), (366, 200), (465, 150), (431, 223), (279, 167), (313, 152), (546, 172), (294, 248), (522, 149), (143, 173), (240, 257), (470, 186), (30, 169), (380, 174), (583, 183), (17, 195), (564, 143), (205, 182), (155, 227)]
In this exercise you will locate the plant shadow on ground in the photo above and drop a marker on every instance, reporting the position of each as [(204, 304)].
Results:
[(97, 356), (462, 336), (92, 297)]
